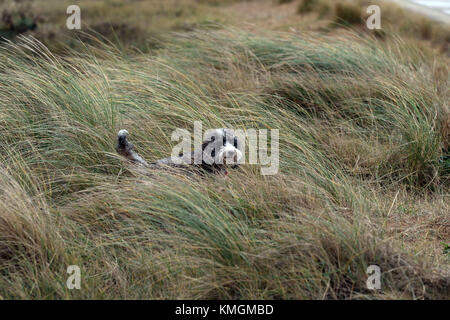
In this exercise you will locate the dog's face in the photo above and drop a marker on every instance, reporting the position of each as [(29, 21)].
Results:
[(221, 147)]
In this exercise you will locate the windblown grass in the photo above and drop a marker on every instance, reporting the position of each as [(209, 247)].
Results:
[(363, 130)]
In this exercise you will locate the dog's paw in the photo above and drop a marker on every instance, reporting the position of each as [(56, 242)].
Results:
[(122, 133)]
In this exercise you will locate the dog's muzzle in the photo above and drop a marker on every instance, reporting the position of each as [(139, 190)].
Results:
[(229, 155)]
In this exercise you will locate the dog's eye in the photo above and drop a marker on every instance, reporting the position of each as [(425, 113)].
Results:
[(235, 142), (224, 140)]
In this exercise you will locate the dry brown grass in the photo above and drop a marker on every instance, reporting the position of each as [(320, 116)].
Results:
[(363, 135)]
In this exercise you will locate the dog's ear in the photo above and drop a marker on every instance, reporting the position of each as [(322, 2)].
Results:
[(211, 137), (206, 144)]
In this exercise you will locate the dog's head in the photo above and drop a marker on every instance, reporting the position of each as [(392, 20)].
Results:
[(221, 148)]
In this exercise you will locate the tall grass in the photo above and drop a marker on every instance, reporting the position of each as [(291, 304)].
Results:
[(361, 148)]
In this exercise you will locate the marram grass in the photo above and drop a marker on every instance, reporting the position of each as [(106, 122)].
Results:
[(362, 177)]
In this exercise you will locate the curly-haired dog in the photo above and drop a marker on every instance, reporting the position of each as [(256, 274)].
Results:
[(220, 150)]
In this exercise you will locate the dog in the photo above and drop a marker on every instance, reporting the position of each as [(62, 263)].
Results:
[(219, 151)]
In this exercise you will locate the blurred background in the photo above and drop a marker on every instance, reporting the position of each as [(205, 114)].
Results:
[(143, 24)]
